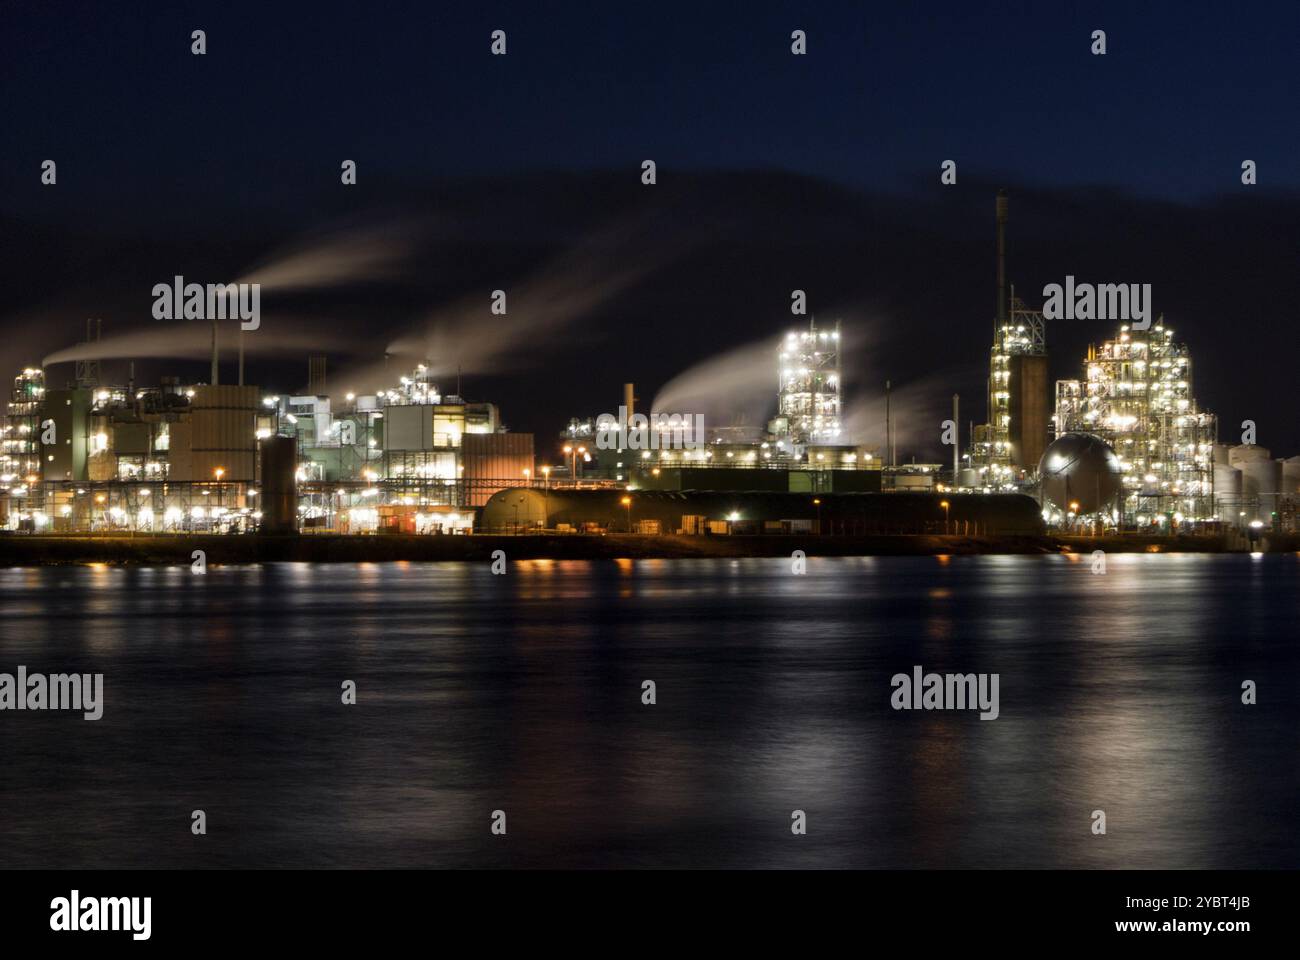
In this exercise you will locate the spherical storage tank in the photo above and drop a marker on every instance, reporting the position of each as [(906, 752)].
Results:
[(1080, 468)]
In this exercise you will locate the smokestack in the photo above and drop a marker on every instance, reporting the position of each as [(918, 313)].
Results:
[(889, 429), (1002, 214), (215, 377), (629, 400), (956, 427), (316, 376)]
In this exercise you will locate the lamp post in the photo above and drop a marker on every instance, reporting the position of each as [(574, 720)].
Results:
[(944, 504), (572, 452), (818, 504), (219, 472), (627, 502)]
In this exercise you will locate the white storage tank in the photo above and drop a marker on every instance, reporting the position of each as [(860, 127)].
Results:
[(1291, 475), (1261, 477), (1245, 453), (1227, 482)]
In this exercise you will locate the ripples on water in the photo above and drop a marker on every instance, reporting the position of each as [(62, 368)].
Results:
[(523, 693)]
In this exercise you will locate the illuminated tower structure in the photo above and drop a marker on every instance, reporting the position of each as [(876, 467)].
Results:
[(1005, 451), (21, 455), (20, 449), (1137, 395), (808, 394)]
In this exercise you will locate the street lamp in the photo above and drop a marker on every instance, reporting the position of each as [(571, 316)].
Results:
[(944, 504), (546, 478), (818, 504), (572, 453), (627, 502), (528, 477)]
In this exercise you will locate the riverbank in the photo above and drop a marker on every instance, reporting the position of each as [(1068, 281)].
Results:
[(167, 550)]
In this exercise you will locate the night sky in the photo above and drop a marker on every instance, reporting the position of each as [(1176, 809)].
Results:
[(522, 172)]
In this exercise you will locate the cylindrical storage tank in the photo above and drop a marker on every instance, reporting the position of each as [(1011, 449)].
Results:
[(1079, 468), (1291, 475), (1227, 488), (968, 478), (1227, 480), (1247, 453), (1261, 480), (279, 490)]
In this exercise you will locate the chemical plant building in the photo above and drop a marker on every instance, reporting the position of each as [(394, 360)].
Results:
[(1163, 464), (1130, 446), (1004, 452), (225, 459)]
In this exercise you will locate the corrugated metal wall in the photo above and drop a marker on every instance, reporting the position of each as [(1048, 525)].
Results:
[(224, 425), (494, 461)]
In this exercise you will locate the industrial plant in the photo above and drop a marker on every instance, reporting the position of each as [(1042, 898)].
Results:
[(1126, 446), (222, 458)]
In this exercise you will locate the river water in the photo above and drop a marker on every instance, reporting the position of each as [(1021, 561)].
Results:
[(522, 693)]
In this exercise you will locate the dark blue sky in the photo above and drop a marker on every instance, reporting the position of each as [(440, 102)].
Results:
[(775, 171), (886, 92)]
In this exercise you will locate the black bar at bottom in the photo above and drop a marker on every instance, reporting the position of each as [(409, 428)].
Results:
[(773, 910)]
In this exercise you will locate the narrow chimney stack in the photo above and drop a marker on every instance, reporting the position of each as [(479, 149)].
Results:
[(1002, 213)]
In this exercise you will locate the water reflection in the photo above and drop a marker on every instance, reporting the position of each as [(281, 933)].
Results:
[(523, 692)]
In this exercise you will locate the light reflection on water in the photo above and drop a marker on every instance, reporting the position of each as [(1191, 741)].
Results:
[(522, 692)]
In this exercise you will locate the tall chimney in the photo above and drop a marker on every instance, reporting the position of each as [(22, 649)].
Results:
[(316, 376), (629, 400), (956, 406), (889, 429), (214, 378), (1002, 256)]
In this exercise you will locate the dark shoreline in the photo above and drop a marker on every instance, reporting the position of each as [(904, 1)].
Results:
[(167, 550)]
